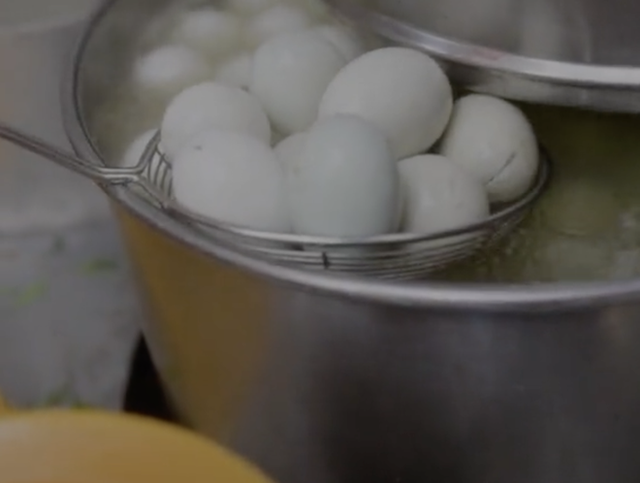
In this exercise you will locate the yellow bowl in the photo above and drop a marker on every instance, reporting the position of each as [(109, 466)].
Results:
[(54, 446)]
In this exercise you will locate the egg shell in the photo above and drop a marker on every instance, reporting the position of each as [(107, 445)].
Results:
[(493, 139), (165, 71), (346, 183), (278, 20), (236, 71), (402, 91), (233, 178), (345, 40), (289, 150), (211, 32), (250, 7), (440, 195), (290, 74), (212, 105)]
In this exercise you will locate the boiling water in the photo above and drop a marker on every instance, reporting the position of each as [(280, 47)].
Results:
[(19, 12)]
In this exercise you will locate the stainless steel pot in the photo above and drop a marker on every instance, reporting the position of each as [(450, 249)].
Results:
[(327, 380)]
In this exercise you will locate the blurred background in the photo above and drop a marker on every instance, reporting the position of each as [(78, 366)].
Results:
[(68, 314)]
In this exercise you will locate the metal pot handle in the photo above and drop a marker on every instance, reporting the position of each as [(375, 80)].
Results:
[(68, 160)]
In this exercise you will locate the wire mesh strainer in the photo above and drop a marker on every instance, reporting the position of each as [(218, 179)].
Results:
[(393, 256)]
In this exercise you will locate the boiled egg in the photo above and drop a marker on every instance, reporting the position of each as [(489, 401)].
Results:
[(402, 91), (290, 74), (289, 150), (345, 40), (439, 195), (236, 71), (345, 183), (493, 139), (233, 178), (279, 19), (165, 71), (212, 105)]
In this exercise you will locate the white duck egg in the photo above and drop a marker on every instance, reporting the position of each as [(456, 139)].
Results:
[(251, 7), (344, 39), (211, 105), (290, 74), (402, 91), (494, 140), (440, 195), (289, 150), (233, 178), (236, 71), (165, 71), (211, 32), (278, 20), (346, 182)]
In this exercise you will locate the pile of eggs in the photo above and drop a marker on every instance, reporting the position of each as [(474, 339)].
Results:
[(278, 119)]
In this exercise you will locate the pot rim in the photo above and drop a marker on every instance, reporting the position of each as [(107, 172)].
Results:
[(436, 295)]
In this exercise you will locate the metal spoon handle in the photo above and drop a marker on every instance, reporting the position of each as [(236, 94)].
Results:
[(68, 160)]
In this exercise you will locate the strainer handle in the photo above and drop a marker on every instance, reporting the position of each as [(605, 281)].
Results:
[(68, 160)]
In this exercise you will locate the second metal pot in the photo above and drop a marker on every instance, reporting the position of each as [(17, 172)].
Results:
[(327, 380)]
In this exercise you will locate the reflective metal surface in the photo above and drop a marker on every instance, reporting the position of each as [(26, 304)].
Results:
[(579, 53), (317, 388), (334, 380), (378, 394)]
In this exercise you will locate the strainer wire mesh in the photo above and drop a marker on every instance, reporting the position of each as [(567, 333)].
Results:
[(398, 256)]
